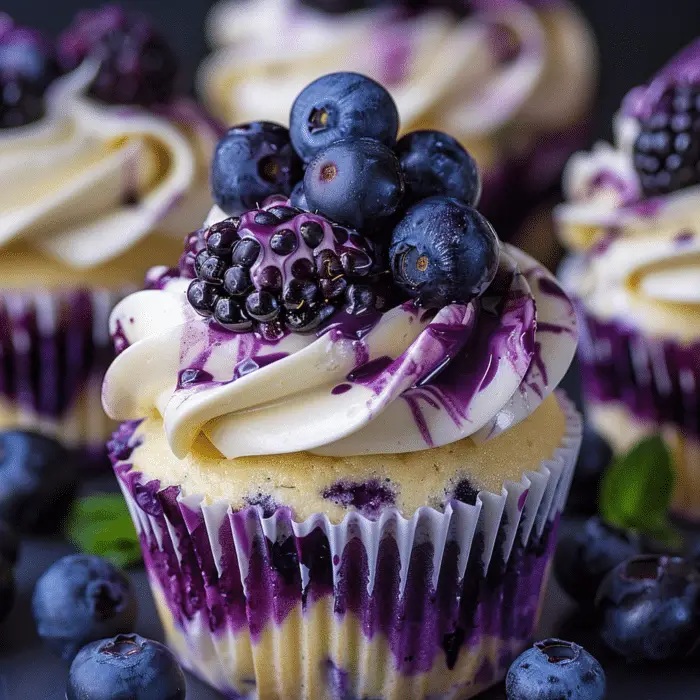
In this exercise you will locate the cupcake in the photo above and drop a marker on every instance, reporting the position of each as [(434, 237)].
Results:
[(342, 447), (103, 170), (513, 82), (632, 223)]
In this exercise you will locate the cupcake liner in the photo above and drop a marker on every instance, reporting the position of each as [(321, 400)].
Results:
[(54, 350), (437, 605)]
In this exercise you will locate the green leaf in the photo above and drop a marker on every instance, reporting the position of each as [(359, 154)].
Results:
[(101, 524), (636, 490)]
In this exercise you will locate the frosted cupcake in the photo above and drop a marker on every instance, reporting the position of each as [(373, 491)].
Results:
[(512, 81), (102, 173), (633, 223), (342, 450)]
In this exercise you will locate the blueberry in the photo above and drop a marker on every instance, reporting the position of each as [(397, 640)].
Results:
[(555, 670), (443, 251), (284, 242), (355, 182), (7, 588), (222, 236), (251, 163), (202, 297), (360, 298), (649, 608), (212, 270), (38, 478), (339, 106), (585, 556), (283, 213), (9, 543), (595, 455), (231, 315), (246, 252), (80, 599), (200, 259), (127, 667), (312, 233), (262, 306), (434, 163), (298, 197), (237, 280)]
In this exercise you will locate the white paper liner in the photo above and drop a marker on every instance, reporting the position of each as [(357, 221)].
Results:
[(223, 658)]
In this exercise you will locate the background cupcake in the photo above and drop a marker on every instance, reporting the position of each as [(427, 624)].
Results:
[(102, 172), (633, 220), (342, 452), (511, 81)]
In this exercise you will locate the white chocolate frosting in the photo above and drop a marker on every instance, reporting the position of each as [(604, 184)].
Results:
[(408, 382), (89, 180)]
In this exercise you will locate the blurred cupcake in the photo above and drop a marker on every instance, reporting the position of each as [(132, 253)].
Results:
[(512, 81), (102, 173), (343, 452), (633, 224)]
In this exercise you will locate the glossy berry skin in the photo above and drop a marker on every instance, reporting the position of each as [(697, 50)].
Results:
[(355, 182), (298, 197), (584, 557), (137, 64), (649, 608), (443, 251), (252, 162), (38, 479), (555, 670), (667, 150), (339, 106), (433, 163), (27, 66), (594, 457), (7, 588), (126, 667), (79, 599)]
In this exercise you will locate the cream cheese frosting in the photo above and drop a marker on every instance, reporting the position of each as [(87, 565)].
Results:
[(639, 257), (90, 180), (402, 381), (442, 72)]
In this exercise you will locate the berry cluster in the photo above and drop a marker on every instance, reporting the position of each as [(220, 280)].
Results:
[(277, 268), (667, 150), (340, 160), (137, 65), (27, 67)]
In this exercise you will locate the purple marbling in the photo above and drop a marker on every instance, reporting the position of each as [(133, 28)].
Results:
[(368, 497)]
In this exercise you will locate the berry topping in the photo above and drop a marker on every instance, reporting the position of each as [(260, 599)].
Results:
[(667, 150), (339, 106), (37, 481), (127, 666), (443, 251), (283, 272), (251, 163), (586, 555), (137, 65), (553, 670), (80, 599), (27, 67), (649, 608), (355, 182), (434, 163)]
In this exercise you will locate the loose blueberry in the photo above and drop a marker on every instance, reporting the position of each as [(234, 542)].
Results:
[(355, 182), (434, 163), (7, 588), (222, 237), (649, 608), (38, 478), (202, 297), (284, 242), (340, 106), (262, 306), (585, 556), (231, 315), (80, 599), (237, 280), (595, 455), (246, 252), (443, 251), (298, 197), (137, 64), (127, 666), (251, 163), (9, 543), (555, 670)]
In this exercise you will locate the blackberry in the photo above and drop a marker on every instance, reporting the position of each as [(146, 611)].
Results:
[(137, 64), (277, 269), (27, 67), (667, 150)]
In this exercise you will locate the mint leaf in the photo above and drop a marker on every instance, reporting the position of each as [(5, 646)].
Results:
[(636, 490), (101, 524)]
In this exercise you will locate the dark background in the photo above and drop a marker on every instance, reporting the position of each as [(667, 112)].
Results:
[(635, 36)]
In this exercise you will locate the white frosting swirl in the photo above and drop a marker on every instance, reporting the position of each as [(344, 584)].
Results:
[(443, 73), (409, 382), (89, 180)]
